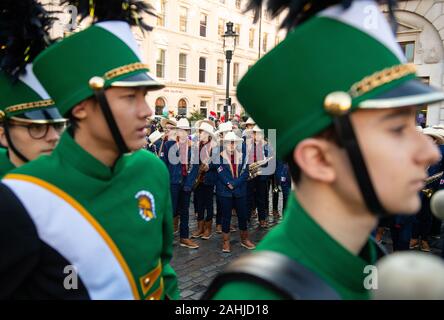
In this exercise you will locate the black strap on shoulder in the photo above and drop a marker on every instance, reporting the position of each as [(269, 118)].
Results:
[(276, 272), (11, 144)]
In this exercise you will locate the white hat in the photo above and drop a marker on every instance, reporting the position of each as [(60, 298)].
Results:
[(225, 127), (198, 123), (156, 135), (257, 129), (231, 136), (250, 121), (438, 134), (165, 121), (184, 124), (206, 127), (439, 129)]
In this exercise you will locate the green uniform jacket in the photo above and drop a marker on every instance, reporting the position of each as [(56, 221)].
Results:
[(5, 163), (113, 225), (302, 239)]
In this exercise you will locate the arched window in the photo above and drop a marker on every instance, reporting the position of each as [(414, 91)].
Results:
[(182, 107), (160, 104)]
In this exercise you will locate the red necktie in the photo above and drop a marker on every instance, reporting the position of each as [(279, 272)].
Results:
[(234, 166)]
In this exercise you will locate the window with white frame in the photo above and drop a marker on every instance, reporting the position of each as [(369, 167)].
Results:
[(204, 108), (220, 72), (161, 14), (203, 25), (408, 48), (235, 73), (183, 20), (221, 28), (182, 67), (237, 30), (160, 63), (202, 69), (251, 38)]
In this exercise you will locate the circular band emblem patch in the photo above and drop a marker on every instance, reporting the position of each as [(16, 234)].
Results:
[(146, 205)]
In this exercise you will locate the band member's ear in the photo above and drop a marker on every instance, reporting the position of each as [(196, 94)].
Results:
[(314, 158), (81, 110)]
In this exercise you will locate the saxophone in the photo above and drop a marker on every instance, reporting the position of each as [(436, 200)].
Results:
[(428, 192), (254, 168), (201, 171)]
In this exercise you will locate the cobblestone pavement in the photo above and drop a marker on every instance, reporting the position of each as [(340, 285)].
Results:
[(196, 268)]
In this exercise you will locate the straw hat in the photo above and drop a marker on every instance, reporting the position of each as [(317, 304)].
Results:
[(156, 135), (170, 121), (232, 137), (225, 127), (204, 126), (250, 121), (183, 124), (438, 134)]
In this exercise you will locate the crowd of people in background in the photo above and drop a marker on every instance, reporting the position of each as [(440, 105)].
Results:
[(226, 163), (240, 193)]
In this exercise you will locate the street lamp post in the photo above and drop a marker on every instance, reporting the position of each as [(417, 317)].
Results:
[(229, 45)]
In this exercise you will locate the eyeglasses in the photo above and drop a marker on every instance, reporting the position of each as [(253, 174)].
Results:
[(40, 130)]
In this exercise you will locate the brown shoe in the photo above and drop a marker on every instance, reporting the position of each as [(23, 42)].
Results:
[(276, 216), (218, 228), (263, 224), (245, 240), (199, 231), (176, 224), (414, 243), (208, 230), (425, 246), (226, 247), (188, 243)]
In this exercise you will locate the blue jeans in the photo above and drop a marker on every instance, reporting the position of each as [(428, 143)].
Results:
[(181, 207), (204, 198), (227, 205), (257, 196), (218, 210)]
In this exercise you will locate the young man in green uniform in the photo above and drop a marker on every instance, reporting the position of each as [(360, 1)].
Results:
[(30, 124), (92, 220), (346, 126)]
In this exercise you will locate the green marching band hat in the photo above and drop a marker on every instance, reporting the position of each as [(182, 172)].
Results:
[(103, 55), (338, 56), (338, 50), (24, 28)]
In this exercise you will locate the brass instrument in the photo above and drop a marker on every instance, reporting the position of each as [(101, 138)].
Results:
[(199, 176), (428, 192), (254, 168), (201, 171)]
